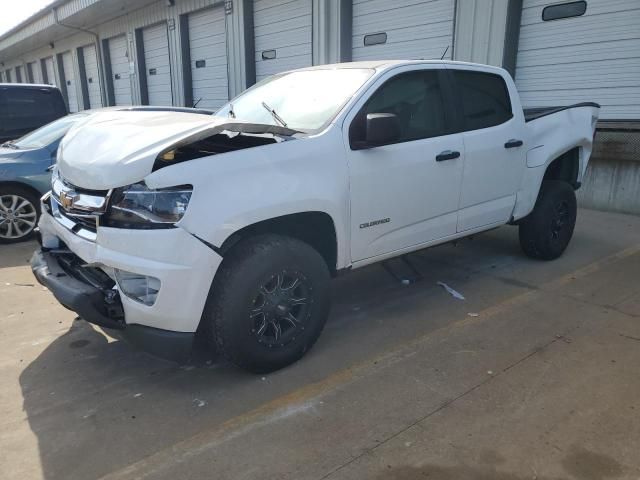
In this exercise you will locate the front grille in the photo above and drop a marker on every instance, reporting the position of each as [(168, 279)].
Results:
[(83, 222), (78, 209)]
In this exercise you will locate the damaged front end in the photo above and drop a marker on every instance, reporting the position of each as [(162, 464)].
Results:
[(86, 290), (115, 149), (225, 138)]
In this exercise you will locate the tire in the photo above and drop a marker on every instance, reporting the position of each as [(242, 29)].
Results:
[(546, 232), (19, 213), (268, 303)]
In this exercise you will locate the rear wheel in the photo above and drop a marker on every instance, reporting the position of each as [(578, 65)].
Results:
[(546, 232), (19, 212), (269, 302)]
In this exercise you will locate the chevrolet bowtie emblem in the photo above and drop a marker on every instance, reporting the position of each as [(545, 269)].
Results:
[(66, 199)]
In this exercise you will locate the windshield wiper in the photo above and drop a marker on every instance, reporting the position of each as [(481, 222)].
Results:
[(273, 113), (232, 114)]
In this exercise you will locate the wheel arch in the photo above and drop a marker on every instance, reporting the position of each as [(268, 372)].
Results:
[(315, 228), (565, 167), (22, 185)]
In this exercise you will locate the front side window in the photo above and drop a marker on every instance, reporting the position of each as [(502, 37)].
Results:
[(415, 98), (484, 98)]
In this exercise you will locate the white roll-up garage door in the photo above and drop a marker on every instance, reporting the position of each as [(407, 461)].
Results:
[(70, 79), (157, 64), (591, 57), (119, 58), (402, 29), (283, 35), (32, 68), (92, 76), (208, 51), (51, 73)]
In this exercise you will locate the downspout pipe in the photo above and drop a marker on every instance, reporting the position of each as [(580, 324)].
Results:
[(95, 35)]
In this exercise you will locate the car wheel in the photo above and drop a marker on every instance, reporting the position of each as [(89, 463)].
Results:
[(19, 213), (546, 232), (268, 303)]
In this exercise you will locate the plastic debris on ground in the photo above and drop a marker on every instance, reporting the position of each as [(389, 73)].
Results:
[(451, 291)]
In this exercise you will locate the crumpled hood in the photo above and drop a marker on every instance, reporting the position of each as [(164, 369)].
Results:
[(118, 148)]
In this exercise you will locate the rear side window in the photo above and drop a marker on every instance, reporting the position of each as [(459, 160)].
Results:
[(485, 99), (415, 98)]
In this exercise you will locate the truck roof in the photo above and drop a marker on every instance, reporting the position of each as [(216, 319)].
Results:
[(385, 64)]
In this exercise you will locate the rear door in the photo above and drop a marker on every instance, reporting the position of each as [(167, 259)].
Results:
[(405, 194), (495, 155)]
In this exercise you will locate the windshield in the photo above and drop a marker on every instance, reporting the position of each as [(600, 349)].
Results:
[(48, 134), (305, 100)]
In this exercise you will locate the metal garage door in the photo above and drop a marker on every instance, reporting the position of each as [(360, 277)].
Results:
[(592, 57), (51, 74), (414, 29), (92, 76), (34, 72), (70, 79), (119, 56), (157, 64), (283, 30), (208, 52)]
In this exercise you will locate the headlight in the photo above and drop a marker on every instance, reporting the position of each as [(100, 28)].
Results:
[(137, 206)]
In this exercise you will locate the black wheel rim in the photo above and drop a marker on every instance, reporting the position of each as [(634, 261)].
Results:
[(560, 220), (280, 309)]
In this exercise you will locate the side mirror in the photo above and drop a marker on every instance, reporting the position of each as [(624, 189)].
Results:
[(382, 129)]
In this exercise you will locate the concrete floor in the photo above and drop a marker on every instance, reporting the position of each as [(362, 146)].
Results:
[(533, 376)]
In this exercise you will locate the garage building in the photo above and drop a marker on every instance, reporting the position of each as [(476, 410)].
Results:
[(204, 52)]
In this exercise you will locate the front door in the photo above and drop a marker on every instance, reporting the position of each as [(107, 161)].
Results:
[(404, 194)]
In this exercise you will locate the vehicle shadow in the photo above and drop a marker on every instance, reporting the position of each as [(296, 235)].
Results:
[(16, 254), (97, 405)]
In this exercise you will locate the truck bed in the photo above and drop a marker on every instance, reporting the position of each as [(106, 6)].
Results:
[(538, 112)]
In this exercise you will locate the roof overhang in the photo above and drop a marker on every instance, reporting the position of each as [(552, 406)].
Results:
[(54, 22)]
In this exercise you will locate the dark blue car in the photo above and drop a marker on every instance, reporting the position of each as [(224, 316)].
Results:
[(25, 176)]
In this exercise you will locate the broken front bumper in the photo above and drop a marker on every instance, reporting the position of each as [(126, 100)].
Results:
[(91, 295), (183, 265)]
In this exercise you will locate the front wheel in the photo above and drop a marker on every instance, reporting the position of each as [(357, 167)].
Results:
[(268, 303), (19, 212), (546, 232)]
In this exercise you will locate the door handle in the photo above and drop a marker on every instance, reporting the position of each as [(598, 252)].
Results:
[(513, 143), (447, 155)]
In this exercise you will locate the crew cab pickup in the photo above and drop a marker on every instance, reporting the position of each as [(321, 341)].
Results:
[(161, 226)]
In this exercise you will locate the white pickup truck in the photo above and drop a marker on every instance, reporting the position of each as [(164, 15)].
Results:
[(161, 226)]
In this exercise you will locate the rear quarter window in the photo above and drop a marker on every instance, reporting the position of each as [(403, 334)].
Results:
[(484, 97)]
